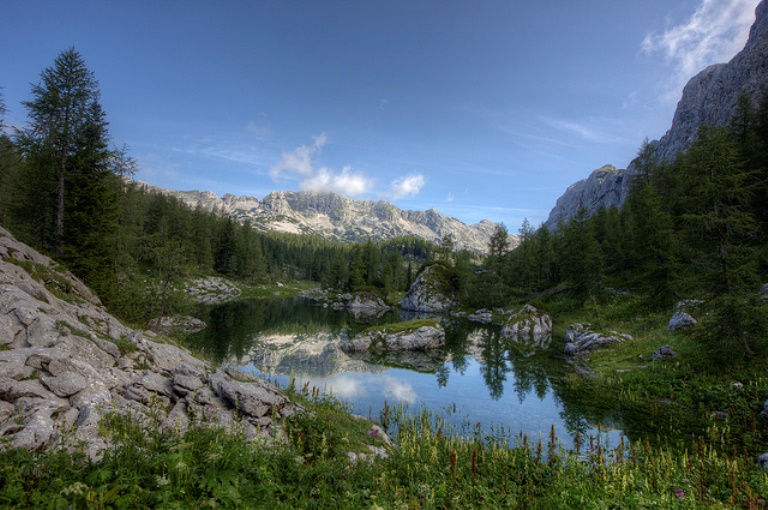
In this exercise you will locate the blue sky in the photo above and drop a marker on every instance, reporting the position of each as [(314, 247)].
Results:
[(478, 108)]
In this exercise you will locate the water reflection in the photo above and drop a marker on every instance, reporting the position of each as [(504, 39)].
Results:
[(489, 378)]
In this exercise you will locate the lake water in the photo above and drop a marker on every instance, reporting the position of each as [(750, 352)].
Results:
[(478, 378)]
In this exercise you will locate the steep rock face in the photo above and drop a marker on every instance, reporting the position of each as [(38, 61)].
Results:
[(605, 187), (338, 218), (709, 99), (65, 362)]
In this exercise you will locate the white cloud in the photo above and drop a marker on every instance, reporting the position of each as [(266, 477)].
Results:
[(450, 198), (584, 131), (407, 186), (716, 31), (299, 164), (345, 387), (299, 160), (398, 390), (346, 182)]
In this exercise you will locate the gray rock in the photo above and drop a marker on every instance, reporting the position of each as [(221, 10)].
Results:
[(425, 337), (66, 384), (256, 399), (580, 340), (664, 352), (425, 296), (483, 316), (13, 363), (37, 431), (681, 320), (529, 329), (184, 384)]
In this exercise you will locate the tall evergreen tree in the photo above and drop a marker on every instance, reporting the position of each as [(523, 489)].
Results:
[(63, 116)]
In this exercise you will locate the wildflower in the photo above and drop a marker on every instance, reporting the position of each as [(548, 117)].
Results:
[(679, 493), (162, 480), (374, 433), (760, 501), (422, 495)]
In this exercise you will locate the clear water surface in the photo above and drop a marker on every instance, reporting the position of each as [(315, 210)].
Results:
[(479, 378)]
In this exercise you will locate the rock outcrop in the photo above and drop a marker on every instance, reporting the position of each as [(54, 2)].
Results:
[(580, 340), (426, 294), (709, 99), (529, 329), (338, 218), (65, 363), (418, 339)]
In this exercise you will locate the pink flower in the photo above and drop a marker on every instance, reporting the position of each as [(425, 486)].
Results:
[(680, 493)]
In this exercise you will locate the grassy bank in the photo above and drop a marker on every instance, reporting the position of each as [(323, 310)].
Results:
[(430, 468)]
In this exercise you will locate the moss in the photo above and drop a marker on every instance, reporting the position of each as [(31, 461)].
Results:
[(406, 327)]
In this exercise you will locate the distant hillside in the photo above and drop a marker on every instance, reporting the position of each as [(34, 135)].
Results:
[(709, 99), (337, 217)]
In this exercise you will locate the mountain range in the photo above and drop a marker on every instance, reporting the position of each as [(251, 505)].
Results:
[(709, 99), (337, 217)]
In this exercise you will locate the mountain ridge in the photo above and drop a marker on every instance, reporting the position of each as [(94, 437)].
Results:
[(336, 217)]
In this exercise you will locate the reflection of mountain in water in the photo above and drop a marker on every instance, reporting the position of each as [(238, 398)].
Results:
[(315, 355), (280, 336)]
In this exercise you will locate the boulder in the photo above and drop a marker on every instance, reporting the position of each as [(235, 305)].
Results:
[(255, 399), (681, 320), (664, 352), (426, 294), (483, 316), (421, 338), (529, 329), (580, 340), (367, 305)]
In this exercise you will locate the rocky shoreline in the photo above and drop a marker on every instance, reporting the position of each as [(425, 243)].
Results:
[(66, 364)]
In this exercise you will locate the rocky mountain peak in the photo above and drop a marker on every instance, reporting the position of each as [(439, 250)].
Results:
[(337, 217), (709, 98)]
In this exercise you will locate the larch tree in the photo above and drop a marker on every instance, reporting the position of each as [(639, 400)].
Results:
[(69, 186)]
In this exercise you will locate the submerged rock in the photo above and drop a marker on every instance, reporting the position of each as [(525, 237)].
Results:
[(185, 323)]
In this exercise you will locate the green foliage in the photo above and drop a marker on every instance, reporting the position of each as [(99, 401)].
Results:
[(433, 466)]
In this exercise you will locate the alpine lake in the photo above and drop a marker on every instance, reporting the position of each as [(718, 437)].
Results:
[(480, 382)]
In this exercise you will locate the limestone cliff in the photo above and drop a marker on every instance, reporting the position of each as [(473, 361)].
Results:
[(338, 218), (65, 363), (709, 99)]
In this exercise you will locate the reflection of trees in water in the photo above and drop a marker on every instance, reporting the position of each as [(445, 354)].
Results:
[(232, 327), (494, 368), (498, 358), (233, 331)]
